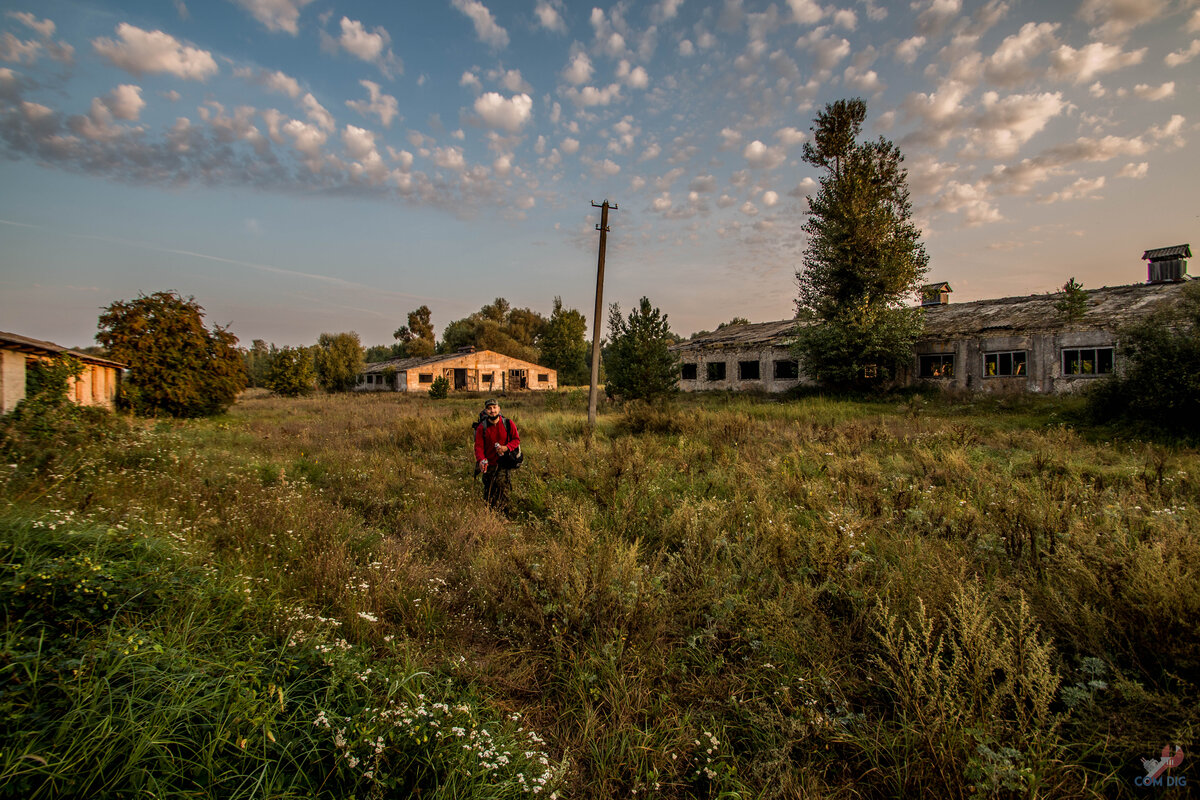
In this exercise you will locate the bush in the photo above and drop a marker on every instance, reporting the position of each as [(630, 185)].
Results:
[(440, 388), (338, 360), (291, 372)]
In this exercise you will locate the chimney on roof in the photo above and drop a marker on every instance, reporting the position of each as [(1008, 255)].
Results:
[(467, 348), (935, 294), (1167, 264)]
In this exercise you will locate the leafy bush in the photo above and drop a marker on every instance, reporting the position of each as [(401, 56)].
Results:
[(440, 388), (176, 365), (291, 372), (338, 360)]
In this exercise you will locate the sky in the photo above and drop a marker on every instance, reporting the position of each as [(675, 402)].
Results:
[(309, 166)]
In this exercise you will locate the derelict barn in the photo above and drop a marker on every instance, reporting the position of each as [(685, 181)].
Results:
[(95, 386), (468, 370), (1012, 344)]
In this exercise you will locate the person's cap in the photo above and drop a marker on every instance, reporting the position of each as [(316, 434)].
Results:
[(490, 402)]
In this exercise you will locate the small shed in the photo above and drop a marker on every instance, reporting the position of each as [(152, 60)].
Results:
[(468, 370), (95, 386)]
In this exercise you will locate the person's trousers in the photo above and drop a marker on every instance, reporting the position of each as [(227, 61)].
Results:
[(496, 485)]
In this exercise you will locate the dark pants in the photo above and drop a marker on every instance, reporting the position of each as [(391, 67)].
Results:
[(496, 484)]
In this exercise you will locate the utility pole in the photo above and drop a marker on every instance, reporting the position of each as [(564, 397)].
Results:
[(603, 228)]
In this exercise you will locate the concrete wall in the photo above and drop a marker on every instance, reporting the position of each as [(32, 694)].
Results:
[(469, 372), (95, 386), (12, 379), (731, 357)]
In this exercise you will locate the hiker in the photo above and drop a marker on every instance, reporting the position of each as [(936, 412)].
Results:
[(496, 446)]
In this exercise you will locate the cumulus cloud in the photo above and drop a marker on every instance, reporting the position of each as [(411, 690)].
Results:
[(1136, 171), (1091, 60), (1012, 62), (1008, 123), (770, 198), (276, 15), (579, 70), (866, 80), (139, 52), (382, 105), (590, 96), (827, 49), (569, 146), (806, 12), (43, 27), (274, 81), (18, 51), (317, 113), (125, 102), (486, 28), (450, 158), (1081, 189), (504, 113), (633, 77), (790, 137), (1155, 92), (760, 156), (906, 51), (370, 46), (1115, 18), (549, 15), (971, 200), (935, 15), (1183, 56)]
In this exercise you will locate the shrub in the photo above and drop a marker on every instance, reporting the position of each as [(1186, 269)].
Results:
[(440, 388), (637, 360), (338, 360), (291, 372)]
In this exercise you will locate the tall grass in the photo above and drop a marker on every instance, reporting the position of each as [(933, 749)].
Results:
[(729, 596)]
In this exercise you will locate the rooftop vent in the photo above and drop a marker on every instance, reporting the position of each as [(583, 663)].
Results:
[(1167, 264), (467, 348), (935, 294)]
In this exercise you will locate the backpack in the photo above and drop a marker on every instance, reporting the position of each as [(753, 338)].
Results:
[(510, 460)]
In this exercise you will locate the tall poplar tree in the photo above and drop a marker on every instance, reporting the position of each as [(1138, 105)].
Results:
[(864, 257)]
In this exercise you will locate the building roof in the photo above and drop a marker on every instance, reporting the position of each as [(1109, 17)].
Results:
[(1107, 308), (1177, 251), (403, 364), (25, 344)]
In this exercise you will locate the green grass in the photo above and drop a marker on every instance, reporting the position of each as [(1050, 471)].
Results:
[(727, 596)]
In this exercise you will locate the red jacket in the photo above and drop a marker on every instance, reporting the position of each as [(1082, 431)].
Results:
[(489, 434)]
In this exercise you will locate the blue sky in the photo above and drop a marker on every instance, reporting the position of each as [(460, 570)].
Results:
[(303, 166)]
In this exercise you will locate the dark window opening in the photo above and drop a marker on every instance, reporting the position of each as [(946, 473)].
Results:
[(687, 372), (543, 377), (748, 370), (937, 365), (517, 378), (1001, 365), (715, 370), (486, 377), (787, 370), (425, 377), (1089, 361)]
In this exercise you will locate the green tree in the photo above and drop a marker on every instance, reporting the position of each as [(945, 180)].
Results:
[(176, 365), (563, 345), (636, 359), (291, 371), (257, 361), (1073, 305), (440, 388), (863, 259), (416, 338), (338, 360), (1158, 383), (499, 327)]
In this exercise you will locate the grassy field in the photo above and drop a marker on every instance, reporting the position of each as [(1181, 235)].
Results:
[(731, 597)]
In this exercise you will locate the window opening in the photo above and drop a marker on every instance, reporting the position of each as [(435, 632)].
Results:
[(1002, 365), (715, 370), (748, 370), (937, 365)]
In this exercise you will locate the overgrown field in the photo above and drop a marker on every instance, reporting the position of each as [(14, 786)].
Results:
[(732, 597)]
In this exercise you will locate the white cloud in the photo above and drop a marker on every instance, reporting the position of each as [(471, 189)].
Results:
[(1079, 190), (730, 138), (509, 114), (827, 50), (864, 80), (770, 198), (1091, 60), (579, 70), (806, 12), (317, 113), (360, 143), (44, 27), (970, 199), (570, 146), (470, 79), (1152, 93), (590, 96), (686, 48), (1012, 62), (1008, 123), (307, 139), (125, 102), (845, 18), (18, 51), (1115, 18), (609, 167), (276, 15), (382, 105), (749, 209), (1193, 24), (272, 81), (1183, 56), (450, 158), (361, 43), (790, 137), (634, 77), (665, 10), (906, 51), (549, 16), (511, 80), (662, 202), (1136, 171), (486, 28), (704, 184), (760, 156), (140, 52), (936, 15)]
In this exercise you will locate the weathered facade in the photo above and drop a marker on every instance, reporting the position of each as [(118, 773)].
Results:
[(473, 371), (96, 386), (1013, 344)]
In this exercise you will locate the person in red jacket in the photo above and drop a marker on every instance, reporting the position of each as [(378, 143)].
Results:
[(494, 437)]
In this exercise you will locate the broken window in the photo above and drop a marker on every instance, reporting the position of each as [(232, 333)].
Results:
[(787, 370), (486, 377), (1088, 361), (543, 377), (716, 370), (425, 377), (748, 370), (687, 372), (937, 365), (1002, 365), (871, 371)]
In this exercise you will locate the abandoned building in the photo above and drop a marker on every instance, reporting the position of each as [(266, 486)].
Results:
[(467, 370), (1011, 344), (95, 386)]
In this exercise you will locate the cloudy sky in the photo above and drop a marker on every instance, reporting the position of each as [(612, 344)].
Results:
[(302, 166)]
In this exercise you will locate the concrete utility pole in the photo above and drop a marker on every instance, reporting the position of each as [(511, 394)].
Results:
[(603, 228)]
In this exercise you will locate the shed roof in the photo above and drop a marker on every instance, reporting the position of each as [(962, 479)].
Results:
[(1175, 251), (762, 334), (26, 344)]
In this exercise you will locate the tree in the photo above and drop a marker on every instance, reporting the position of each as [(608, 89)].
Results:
[(863, 259), (338, 360), (291, 371), (176, 365), (1074, 302), (1158, 385), (416, 338), (257, 361), (563, 345), (734, 321), (499, 327), (636, 360)]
